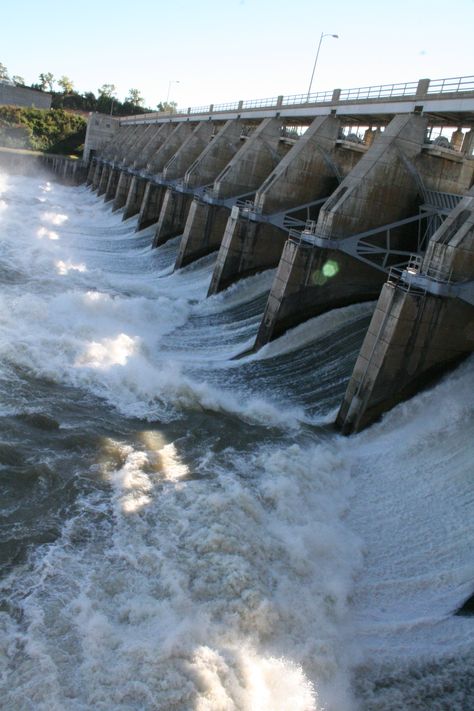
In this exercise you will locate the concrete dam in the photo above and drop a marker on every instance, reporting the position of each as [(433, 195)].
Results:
[(352, 195)]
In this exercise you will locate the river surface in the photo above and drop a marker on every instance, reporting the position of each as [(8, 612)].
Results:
[(185, 531)]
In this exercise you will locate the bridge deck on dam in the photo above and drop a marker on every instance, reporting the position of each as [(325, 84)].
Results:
[(450, 100)]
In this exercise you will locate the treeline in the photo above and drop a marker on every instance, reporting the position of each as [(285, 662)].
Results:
[(105, 104), (62, 129), (105, 101), (53, 131)]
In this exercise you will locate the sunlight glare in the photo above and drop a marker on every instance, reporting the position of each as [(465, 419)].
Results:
[(108, 352)]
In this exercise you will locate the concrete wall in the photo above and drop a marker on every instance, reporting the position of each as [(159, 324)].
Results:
[(100, 130), (11, 95)]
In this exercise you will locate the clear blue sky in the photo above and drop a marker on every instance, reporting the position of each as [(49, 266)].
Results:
[(224, 50)]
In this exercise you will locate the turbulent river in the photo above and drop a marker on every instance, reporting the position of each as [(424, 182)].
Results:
[(185, 531)]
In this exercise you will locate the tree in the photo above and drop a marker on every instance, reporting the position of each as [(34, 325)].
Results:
[(168, 106), (134, 97), (46, 81), (18, 79), (66, 85), (107, 90), (106, 100), (3, 73)]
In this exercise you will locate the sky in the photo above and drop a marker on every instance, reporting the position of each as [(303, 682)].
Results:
[(199, 52)]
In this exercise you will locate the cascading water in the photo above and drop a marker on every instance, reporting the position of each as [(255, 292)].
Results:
[(184, 530)]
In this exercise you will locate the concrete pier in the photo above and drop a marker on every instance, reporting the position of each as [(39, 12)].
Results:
[(155, 190), (175, 204), (163, 131), (121, 149), (91, 171), (122, 187), (104, 179), (138, 183), (141, 144), (423, 324), (135, 196), (310, 171), (245, 172), (119, 181), (112, 183), (384, 187), (97, 174)]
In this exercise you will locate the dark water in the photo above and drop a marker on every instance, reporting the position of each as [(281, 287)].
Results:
[(182, 530)]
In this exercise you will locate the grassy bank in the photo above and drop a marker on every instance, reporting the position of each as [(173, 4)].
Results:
[(50, 131)]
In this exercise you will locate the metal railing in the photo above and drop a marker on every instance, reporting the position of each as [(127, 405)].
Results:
[(383, 91), (453, 85), (408, 90), (233, 106), (259, 103), (442, 201), (295, 99)]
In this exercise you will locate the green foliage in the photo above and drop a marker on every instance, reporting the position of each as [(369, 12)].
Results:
[(46, 81), (134, 97), (168, 106), (107, 90), (53, 131), (66, 84)]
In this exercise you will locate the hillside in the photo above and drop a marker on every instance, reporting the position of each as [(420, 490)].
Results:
[(51, 131)]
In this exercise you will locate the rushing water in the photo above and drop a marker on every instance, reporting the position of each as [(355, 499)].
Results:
[(182, 530)]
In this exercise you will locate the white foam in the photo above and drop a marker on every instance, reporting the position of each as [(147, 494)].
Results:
[(186, 599)]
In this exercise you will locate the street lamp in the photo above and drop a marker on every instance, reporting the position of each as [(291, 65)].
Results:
[(327, 34), (172, 81)]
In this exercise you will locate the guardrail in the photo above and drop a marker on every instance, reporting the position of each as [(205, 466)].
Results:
[(404, 90), (453, 85), (382, 91)]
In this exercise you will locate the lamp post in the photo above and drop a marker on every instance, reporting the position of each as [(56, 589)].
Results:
[(327, 34), (172, 81)]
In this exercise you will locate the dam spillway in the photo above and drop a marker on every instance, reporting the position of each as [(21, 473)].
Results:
[(296, 188)]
